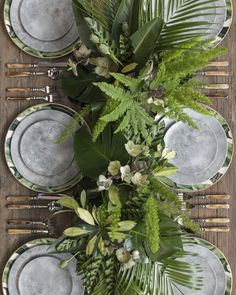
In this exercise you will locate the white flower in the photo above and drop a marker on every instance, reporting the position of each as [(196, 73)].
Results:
[(123, 255), (82, 53), (150, 100), (135, 255), (133, 149), (104, 183), (128, 265), (125, 173), (125, 258), (167, 154), (139, 179), (114, 168)]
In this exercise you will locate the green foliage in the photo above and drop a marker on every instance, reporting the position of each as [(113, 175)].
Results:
[(152, 223), (70, 129), (100, 125), (159, 278), (128, 108), (145, 39), (81, 88), (93, 157), (90, 269), (179, 17)]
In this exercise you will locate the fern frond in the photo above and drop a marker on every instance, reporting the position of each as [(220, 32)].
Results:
[(69, 130), (133, 84), (101, 124), (114, 92)]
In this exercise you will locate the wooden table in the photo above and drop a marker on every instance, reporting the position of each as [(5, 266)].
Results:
[(8, 185)]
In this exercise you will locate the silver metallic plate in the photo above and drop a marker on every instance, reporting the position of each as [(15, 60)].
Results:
[(200, 152), (213, 273), (35, 153), (43, 25), (37, 272)]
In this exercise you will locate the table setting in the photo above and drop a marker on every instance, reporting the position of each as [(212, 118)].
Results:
[(117, 160)]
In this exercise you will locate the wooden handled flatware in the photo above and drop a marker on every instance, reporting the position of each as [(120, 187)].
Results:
[(46, 222), (221, 63), (217, 86), (212, 220), (13, 198), (223, 197), (52, 73), (220, 229), (49, 98), (187, 205), (26, 231), (46, 89), (218, 95), (52, 206), (37, 65), (214, 73)]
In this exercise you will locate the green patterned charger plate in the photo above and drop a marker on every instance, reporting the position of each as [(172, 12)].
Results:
[(203, 155), (32, 154), (216, 273), (41, 28), (33, 270)]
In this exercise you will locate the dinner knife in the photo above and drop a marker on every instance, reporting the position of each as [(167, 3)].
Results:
[(221, 63), (19, 231), (216, 86), (41, 64), (220, 229), (205, 206), (207, 197), (213, 73), (212, 220), (13, 198)]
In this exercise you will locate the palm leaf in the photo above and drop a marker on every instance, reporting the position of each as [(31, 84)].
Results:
[(180, 18), (163, 277), (103, 11)]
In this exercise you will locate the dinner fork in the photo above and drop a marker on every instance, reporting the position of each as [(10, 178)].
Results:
[(52, 73), (46, 89), (52, 206), (49, 98)]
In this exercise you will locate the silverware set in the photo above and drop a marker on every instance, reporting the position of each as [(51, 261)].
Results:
[(208, 224), (28, 227), (54, 72), (216, 90)]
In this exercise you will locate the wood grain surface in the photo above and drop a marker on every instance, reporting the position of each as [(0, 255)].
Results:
[(9, 186)]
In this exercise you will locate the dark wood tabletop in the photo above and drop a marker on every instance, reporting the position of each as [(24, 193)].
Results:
[(9, 185)]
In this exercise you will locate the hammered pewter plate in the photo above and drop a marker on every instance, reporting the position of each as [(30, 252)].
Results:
[(33, 154), (31, 270), (203, 154), (219, 15), (216, 273), (42, 28)]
